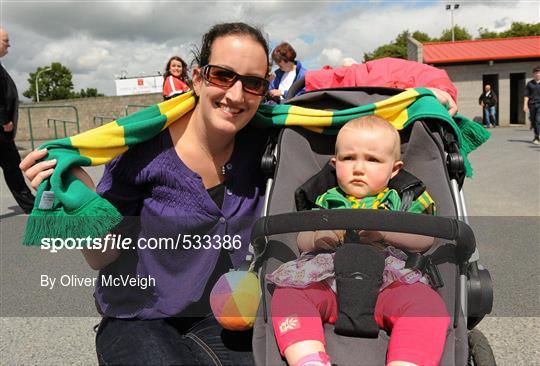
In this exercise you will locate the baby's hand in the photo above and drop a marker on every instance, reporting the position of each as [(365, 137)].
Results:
[(444, 98), (327, 240), (375, 238)]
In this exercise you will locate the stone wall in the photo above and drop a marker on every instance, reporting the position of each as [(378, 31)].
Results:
[(87, 108), (415, 50)]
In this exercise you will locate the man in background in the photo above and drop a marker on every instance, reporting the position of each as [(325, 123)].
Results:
[(488, 101), (531, 103), (9, 156)]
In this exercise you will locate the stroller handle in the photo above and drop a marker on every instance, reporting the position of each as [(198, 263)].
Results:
[(351, 219)]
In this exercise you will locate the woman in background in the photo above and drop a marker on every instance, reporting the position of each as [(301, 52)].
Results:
[(175, 79), (289, 71)]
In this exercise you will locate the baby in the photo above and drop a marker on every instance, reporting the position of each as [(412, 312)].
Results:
[(367, 157)]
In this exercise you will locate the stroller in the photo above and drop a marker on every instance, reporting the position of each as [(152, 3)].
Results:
[(431, 153)]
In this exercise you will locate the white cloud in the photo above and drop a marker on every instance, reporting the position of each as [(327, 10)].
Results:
[(93, 58), (97, 40), (331, 56)]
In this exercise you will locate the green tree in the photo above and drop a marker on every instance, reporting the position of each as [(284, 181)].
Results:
[(387, 50), (88, 93), (93, 92), (401, 39), (460, 34), (397, 48), (54, 84), (484, 33), (517, 29)]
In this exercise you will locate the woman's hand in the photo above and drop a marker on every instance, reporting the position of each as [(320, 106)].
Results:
[(37, 172), (445, 98)]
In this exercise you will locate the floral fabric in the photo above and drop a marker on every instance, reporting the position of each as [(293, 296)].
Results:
[(312, 267)]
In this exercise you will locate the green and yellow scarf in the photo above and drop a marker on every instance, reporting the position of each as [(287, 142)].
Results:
[(66, 208), (387, 199)]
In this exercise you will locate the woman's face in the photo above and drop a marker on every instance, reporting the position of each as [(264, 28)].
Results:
[(175, 68), (228, 110), (286, 66)]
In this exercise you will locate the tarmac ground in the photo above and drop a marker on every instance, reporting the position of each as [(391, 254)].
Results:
[(54, 327)]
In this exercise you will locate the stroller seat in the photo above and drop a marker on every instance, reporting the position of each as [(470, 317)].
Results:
[(300, 154)]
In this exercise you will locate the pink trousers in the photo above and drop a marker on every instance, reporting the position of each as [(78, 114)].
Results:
[(414, 315)]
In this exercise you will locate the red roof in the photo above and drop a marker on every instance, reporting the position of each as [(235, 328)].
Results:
[(482, 50)]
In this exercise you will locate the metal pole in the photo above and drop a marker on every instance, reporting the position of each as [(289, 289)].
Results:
[(37, 89), (452, 7), (452, 17), (37, 84)]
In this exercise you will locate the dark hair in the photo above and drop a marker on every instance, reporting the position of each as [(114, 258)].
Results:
[(183, 75), (202, 55), (536, 69), (283, 52)]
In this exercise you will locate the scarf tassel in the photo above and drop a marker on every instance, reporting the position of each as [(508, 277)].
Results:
[(473, 135), (95, 219)]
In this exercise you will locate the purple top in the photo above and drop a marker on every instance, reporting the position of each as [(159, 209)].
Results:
[(166, 199)]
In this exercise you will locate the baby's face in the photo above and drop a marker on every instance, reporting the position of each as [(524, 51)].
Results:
[(365, 161)]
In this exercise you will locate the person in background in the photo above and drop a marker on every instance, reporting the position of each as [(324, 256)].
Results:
[(175, 79), (488, 101), (531, 103), (9, 156), (288, 72)]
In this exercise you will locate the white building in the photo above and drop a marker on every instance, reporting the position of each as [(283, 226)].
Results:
[(504, 63)]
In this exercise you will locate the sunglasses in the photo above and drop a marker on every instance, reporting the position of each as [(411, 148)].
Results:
[(221, 76)]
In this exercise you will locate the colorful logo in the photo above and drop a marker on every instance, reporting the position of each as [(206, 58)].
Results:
[(288, 324)]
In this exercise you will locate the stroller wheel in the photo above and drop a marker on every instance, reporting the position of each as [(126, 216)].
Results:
[(480, 352)]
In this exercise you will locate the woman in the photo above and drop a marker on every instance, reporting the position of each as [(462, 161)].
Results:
[(175, 79), (289, 71), (199, 176)]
